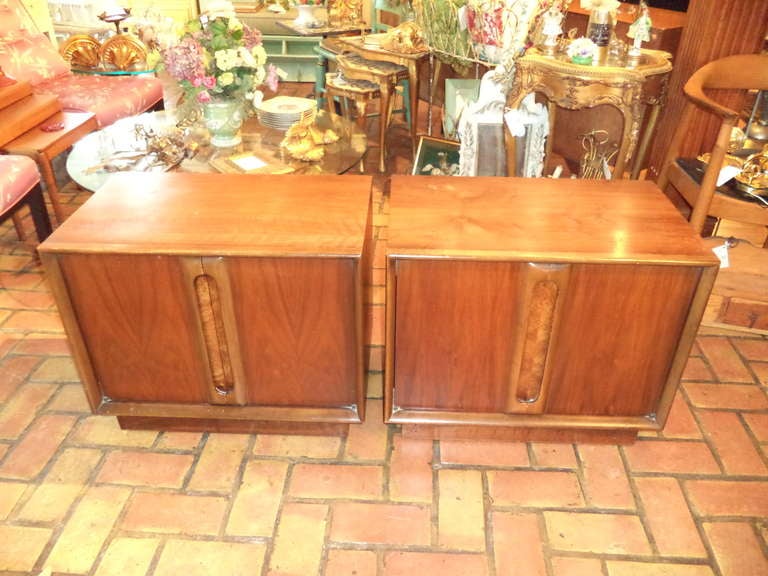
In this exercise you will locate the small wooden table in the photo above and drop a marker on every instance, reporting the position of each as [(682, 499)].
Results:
[(44, 145), (410, 61), (325, 30)]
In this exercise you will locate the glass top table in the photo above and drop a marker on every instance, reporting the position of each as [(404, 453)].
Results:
[(102, 71), (86, 161)]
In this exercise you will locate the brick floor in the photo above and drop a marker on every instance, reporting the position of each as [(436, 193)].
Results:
[(80, 496)]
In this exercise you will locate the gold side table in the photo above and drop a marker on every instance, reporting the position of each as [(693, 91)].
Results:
[(631, 90)]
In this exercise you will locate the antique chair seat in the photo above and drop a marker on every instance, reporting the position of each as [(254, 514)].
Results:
[(19, 185)]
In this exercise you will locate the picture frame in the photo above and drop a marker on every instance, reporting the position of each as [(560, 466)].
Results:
[(436, 154), (248, 163), (459, 94), (491, 153)]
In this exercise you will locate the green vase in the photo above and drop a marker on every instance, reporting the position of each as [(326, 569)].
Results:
[(223, 119)]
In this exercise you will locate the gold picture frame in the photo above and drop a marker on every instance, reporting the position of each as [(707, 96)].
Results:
[(436, 154)]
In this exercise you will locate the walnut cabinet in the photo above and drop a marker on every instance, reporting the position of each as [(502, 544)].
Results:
[(217, 302), (545, 309)]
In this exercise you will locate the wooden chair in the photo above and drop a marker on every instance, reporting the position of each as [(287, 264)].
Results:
[(20, 185), (362, 81), (740, 72)]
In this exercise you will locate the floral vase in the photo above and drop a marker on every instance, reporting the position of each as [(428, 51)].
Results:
[(224, 118)]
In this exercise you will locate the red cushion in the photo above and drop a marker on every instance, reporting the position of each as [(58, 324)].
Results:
[(32, 58), (18, 174), (109, 97)]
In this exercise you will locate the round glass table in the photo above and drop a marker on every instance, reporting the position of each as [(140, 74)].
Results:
[(89, 162)]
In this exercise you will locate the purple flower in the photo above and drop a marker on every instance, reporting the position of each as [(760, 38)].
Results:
[(251, 37), (184, 61)]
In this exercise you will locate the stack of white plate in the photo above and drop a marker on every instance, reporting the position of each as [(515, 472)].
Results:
[(281, 112)]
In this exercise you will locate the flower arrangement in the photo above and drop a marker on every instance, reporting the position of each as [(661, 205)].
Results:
[(218, 58), (582, 51)]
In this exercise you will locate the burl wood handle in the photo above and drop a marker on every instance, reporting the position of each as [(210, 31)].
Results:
[(216, 347), (545, 286)]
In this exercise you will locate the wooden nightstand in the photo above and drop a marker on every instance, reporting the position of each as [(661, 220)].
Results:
[(44, 144), (538, 309)]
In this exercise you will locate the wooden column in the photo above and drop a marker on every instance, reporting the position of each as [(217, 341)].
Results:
[(715, 28)]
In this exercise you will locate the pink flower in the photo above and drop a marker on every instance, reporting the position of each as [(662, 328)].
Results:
[(209, 82), (197, 82), (204, 97), (272, 78), (251, 37)]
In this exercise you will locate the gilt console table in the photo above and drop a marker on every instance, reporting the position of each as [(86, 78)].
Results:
[(217, 302), (573, 86), (538, 309)]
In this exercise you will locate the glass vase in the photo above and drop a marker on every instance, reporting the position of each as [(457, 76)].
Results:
[(223, 119)]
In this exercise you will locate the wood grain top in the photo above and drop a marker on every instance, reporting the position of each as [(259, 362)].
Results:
[(39, 139), (538, 219), (220, 214)]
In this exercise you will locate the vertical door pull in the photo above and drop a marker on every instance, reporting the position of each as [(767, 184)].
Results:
[(216, 348)]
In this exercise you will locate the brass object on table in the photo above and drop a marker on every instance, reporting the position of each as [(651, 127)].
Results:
[(753, 177), (345, 11), (123, 52), (406, 38), (115, 16), (304, 141), (598, 152), (153, 152), (81, 51), (120, 52)]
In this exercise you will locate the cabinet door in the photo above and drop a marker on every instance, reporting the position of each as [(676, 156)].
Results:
[(298, 327), (456, 324), (516, 337), (138, 325), (619, 332)]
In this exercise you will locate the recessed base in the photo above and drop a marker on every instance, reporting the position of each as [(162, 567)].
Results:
[(519, 434), (232, 426)]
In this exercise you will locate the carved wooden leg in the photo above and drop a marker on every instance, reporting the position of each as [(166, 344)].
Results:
[(330, 98), (46, 171), (384, 117), (36, 204)]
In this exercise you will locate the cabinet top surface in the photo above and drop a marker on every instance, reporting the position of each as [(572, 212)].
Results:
[(571, 220), (191, 213)]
